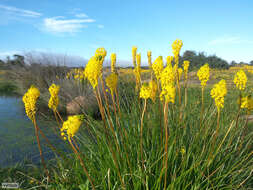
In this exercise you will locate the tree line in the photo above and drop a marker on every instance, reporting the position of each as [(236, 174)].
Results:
[(196, 60)]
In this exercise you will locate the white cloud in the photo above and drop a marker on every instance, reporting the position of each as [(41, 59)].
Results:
[(229, 40), (81, 15), (62, 25), (20, 12), (101, 26), (4, 54)]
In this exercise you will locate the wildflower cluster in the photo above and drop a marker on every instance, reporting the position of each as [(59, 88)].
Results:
[(168, 93), (169, 60), (149, 59), (137, 69), (153, 87), (240, 80), (167, 76), (113, 62), (203, 74), (94, 67), (111, 81), (76, 74), (218, 93), (134, 50), (71, 126), (145, 91), (186, 67), (157, 67), (101, 53), (30, 99), (54, 99), (247, 103), (180, 72), (176, 47)]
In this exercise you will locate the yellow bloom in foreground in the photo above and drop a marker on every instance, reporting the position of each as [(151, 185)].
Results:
[(30, 99), (203, 74), (218, 93), (111, 81), (167, 76), (93, 70), (71, 126), (153, 88), (186, 67), (113, 62), (240, 80), (54, 99), (157, 67), (145, 92), (247, 103), (168, 93)]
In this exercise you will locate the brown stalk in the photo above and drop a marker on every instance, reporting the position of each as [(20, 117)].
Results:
[(48, 142), (39, 146), (82, 163)]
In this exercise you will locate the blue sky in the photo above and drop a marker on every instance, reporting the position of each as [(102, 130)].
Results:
[(78, 27)]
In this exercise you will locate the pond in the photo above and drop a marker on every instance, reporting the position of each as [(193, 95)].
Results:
[(17, 134)]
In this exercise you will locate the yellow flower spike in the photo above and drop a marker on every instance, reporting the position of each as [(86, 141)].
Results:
[(145, 91), (186, 65), (168, 93), (157, 67), (240, 80), (101, 52), (111, 82), (169, 60), (149, 59), (182, 151), (180, 71), (247, 103), (153, 87), (113, 62), (30, 99), (54, 99), (204, 74), (134, 50), (167, 76), (138, 58), (93, 70), (218, 93), (71, 126), (137, 70), (176, 47)]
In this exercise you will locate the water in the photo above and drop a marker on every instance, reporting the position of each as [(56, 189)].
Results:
[(17, 134)]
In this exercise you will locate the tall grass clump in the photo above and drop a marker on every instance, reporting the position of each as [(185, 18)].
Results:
[(157, 134)]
